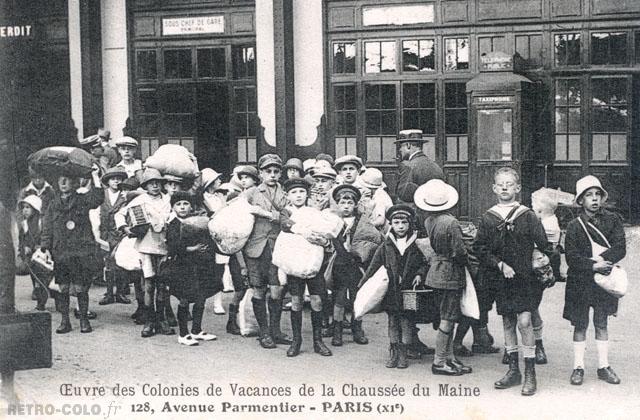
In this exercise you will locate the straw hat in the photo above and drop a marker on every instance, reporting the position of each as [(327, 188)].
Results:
[(435, 195), (412, 135), (589, 181)]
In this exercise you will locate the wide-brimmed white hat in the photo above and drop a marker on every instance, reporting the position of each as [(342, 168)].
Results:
[(34, 201), (208, 176), (589, 181), (371, 178), (435, 195)]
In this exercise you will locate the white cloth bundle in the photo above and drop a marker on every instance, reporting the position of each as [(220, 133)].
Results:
[(231, 226), (296, 256)]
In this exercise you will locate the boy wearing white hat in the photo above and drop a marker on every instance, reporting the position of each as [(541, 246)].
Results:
[(446, 273), (507, 235), (593, 224)]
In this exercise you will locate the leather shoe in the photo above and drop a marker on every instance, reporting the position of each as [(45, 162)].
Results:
[(460, 366), (577, 376), (123, 299), (267, 342), (106, 300), (90, 314), (282, 338), (608, 375), (445, 369), (461, 350)]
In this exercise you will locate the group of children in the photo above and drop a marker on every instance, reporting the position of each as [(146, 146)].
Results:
[(176, 258)]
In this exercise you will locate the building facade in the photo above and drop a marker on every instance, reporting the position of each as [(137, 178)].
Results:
[(548, 86)]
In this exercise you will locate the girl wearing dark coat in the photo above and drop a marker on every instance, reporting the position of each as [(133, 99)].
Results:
[(193, 275), (581, 292), (406, 267)]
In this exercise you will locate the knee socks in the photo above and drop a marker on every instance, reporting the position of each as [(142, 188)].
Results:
[(603, 353), (578, 354)]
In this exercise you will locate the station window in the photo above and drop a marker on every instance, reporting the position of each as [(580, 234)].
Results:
[(529, 47), (567, 119), (490, 44), (177, 64), (456, 127), (246, 123), (178, 106), (637, 47), (146, 65), (344, 57), (148, 120), (344, 117), (419, 111), (211, 62), (609, 118), (567, 49), (418, 55), (380, 56), (380, 115), (244, 62), (456, 54), (609, 48)]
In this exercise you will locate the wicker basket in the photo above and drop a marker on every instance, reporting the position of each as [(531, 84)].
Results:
[(416, 299)]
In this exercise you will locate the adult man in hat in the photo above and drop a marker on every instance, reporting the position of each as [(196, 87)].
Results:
[(415, 167)]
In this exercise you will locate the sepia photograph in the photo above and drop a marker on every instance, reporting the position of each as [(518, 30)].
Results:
[(320, 209)]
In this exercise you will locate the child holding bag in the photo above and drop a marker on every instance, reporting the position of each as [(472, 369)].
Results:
[(446, 274), (406, 267), (582, 292)]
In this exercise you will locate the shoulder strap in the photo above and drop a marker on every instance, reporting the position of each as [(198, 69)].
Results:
[(604, 238)]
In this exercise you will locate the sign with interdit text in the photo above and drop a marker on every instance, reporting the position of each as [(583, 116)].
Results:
[(193, 25)]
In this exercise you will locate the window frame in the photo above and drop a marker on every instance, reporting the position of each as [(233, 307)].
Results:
[(434, 70), (363, 64), (444, 53), (446, 135), (556, 64), (567, 133), (332, 63), (609, 32), (591, 132)]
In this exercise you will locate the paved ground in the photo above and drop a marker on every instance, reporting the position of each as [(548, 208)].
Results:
[(116, 355)]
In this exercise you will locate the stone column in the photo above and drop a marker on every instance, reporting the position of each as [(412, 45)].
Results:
[(75, 65), (115, 74)]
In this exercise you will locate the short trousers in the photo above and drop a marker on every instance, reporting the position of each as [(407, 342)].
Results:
[(74, 271), (150, 264), (448, 302), (315, 285), (261, 272), (581, 317)]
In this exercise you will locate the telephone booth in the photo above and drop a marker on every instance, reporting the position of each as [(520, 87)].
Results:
[(501, 112)]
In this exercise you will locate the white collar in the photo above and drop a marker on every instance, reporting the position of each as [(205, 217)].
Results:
[(38, 191), (413, 154)]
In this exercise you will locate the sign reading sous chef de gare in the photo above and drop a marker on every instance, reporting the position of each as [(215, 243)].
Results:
[(193, 25)]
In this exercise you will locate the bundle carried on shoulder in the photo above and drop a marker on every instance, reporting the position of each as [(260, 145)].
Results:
[(61, 160), (173, 159), (366, 240), (231, 226), (370, 295), (296, 256)]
